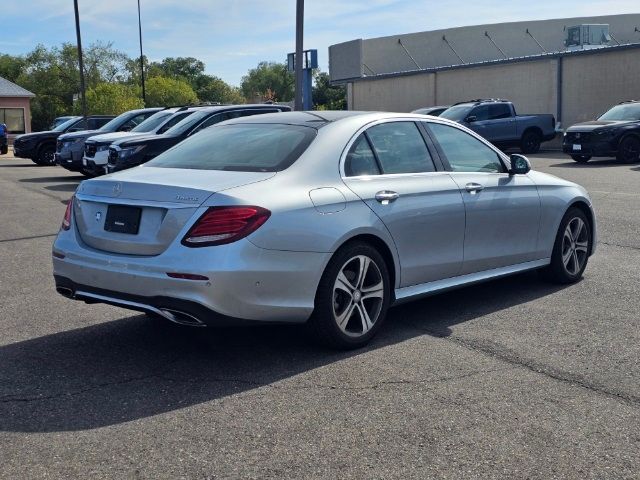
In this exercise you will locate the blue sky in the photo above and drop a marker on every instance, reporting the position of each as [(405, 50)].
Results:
[(232, 36)]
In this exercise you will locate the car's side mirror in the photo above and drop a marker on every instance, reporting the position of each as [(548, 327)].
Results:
[(471, 119), (519, 165)]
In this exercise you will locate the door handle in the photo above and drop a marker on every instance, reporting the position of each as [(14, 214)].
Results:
[(386, 196), (473, 188)]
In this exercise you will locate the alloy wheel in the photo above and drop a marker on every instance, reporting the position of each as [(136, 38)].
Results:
[(575, 246), (358, 295)]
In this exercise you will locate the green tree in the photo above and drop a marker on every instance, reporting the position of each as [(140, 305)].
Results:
[(269, 80), (112, 99), (325, 96), (164, 92), (11, 67), (185, 68), (53, 75), (214, 89)]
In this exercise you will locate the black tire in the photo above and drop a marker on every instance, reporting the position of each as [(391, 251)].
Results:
[(87, 173), (530, 141), (333, 302), (4, 150), (559, 270), (629, 150), (45, 155), (581, 158)]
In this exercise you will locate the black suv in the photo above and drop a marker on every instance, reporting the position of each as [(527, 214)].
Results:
[(615, 133), (41, 146), (127, 153), (70, 146)]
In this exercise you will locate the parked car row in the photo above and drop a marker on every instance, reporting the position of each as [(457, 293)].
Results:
[(616, 133), (102, 144), (41, 146)]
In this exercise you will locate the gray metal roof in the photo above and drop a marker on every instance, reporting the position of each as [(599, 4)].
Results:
[(10, 89), (526, 58), (454, 47)]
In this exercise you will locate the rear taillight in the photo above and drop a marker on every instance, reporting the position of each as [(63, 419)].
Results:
[(66, 221), (221, 225)]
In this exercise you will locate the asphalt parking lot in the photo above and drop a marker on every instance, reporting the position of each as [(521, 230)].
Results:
[(509, 379)]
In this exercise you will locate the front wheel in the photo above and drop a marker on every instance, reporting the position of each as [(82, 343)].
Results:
[(581, 158), (629, 150), (530, 142), (571, 248), (352, 298), (46, 155)]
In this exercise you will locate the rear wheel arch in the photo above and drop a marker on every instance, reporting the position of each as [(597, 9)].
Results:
[(383, 248), (537, 130)]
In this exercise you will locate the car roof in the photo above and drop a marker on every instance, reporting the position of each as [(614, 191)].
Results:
[(315, 119)]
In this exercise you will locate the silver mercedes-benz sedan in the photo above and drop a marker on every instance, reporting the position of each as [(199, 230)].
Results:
[(327, 218)]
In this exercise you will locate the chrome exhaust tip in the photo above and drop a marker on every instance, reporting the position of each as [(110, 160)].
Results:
[(182, 318)]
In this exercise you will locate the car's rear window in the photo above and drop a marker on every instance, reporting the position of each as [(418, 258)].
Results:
[(239, 147)]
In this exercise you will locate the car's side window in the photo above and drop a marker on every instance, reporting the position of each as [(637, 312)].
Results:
[(248, 113), (481, 113), (400, 148), (498, 111), (464, 152), (360, 159)]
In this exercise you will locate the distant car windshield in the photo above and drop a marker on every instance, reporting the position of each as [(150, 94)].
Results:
[(63, 126), (457, 113), (112, 125), (187, 123), (239, 147), (624, 112), (59, 121), (153, 122)]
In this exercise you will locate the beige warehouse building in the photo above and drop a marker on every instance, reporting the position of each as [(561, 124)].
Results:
[(525, 62)]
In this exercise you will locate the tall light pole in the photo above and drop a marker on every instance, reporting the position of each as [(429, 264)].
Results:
[(299, 47), (144, 96), (80, 62)]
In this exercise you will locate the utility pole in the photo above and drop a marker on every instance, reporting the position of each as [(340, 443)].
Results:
[(299, 47), (144, 96), (80, 62)]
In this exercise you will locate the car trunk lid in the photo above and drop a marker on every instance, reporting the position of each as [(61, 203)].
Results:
[(142, 210)]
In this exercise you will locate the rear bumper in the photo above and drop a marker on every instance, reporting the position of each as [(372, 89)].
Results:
[(246, 283)]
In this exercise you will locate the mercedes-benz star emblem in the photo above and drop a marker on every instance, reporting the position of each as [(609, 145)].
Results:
[(98, 216), (117, 189)]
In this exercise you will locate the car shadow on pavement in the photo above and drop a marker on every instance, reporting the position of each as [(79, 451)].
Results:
[(63, 187), (76, 178), (602, 163), (10, 165), (137, 367)]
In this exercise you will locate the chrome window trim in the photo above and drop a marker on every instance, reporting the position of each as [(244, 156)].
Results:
[(345, 151), (417, 118)]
